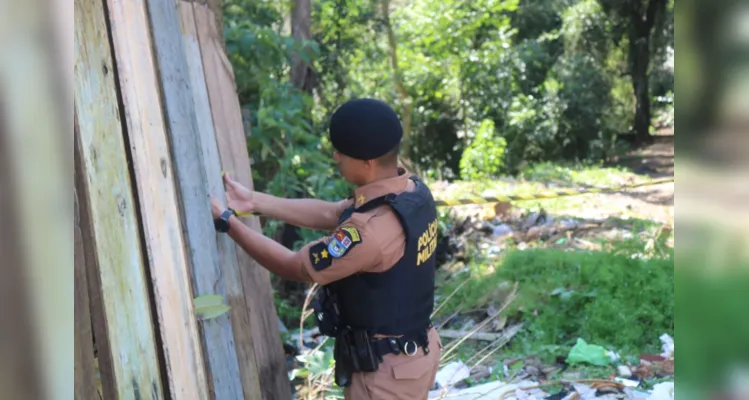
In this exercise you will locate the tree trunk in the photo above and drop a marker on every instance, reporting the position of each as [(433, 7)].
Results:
[(397, 78), (640, 59), (302, 76), (641, 27)]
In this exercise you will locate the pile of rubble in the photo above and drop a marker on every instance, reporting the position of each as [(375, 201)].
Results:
[(532, 229), (536, 381)]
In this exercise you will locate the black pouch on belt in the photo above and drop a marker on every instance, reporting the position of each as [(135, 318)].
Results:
[(343, 360), (365, 358), (327, 312)]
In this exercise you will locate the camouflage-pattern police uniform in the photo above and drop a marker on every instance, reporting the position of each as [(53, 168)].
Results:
[(377, 269)]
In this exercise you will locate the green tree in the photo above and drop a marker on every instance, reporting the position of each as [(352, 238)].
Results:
[(638, 21)]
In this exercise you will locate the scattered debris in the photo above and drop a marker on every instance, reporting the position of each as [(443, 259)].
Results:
[(487, 391), (663, 391), (480, 372), (654, 366), (507, 334), (452, 373), (536, 371), (501, 231), (513, 228), (668, 346), (627, 382)]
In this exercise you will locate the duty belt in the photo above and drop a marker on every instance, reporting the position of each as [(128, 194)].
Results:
[(407, 344)]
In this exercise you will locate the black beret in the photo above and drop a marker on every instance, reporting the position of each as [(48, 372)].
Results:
[(365, 129)]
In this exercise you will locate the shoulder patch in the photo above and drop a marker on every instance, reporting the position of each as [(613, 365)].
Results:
[(319, 256), (343, 240)]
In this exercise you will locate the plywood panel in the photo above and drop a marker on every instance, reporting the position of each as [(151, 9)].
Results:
[(85, 371), (157, 195), (229, 267), (108, 219), (190, 175), (234, 157)]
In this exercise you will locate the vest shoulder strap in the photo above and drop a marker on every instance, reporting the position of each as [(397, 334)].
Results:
[(386, 199)]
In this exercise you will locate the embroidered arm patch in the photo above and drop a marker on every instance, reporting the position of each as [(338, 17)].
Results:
[(319, 256), (343, 240)]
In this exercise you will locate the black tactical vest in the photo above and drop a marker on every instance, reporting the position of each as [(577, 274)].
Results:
[(400, 300)]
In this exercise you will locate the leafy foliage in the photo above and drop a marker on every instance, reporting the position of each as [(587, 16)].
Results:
[(552, 76), (484, 157), (290, 156)]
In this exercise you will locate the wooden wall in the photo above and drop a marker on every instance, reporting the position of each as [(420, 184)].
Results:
[(156, 120)]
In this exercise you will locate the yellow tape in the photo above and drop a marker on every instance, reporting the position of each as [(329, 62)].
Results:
[(538, 196)]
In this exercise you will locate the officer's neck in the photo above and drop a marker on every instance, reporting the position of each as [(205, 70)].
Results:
[(381, 174)]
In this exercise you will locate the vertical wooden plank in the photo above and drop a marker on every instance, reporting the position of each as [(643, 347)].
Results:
[(109, 225), (118, 294), (157, 194), (226, 248), (85, 372), (190, 175), (232, 147), (100, 304)]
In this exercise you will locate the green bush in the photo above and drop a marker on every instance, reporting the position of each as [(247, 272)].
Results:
[(614, 300), (484, 157)]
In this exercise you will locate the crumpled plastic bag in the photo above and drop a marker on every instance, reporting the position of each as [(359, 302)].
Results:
[(583, 352), (663, 391)]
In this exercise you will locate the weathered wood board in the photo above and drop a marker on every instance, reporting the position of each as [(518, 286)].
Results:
[(118, 292), (85, 371), (232, 147), (190, 176), (158, 199), (229, 267)]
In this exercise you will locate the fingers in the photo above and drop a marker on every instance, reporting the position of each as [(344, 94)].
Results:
[(214, 201), (228, 179)]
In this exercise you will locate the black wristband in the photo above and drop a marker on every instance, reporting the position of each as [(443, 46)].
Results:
[(222, 223)]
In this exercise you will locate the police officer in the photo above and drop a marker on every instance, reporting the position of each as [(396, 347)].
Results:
[(376, 268)]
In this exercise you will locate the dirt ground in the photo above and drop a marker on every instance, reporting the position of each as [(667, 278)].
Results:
[(657, 161), (656, 202)]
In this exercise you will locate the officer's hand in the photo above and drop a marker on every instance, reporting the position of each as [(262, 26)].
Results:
[(216, 207), (238, 197)]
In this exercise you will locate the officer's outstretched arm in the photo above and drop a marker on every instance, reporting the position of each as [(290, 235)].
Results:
[(270, 254), (305, 213), (349, 250)]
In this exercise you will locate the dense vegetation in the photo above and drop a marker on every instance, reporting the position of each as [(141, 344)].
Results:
[(485, 88)]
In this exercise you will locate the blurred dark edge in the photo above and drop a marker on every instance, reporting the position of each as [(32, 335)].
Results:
[(46, 29), (712, 231), (19, 371), (709, 54)]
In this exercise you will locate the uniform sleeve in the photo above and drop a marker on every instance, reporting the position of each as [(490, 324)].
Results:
[(350, 249), (342, 206)]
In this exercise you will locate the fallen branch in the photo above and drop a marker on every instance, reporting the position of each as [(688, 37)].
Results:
[(507, 333), (307, 301), (508, 300), (448, 298)]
